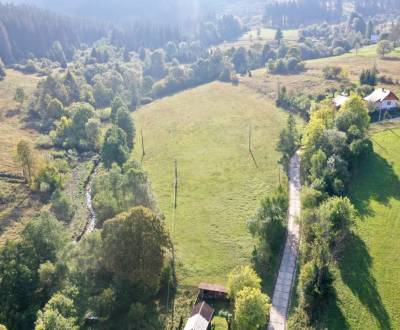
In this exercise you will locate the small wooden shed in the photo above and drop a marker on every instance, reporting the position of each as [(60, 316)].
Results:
[(209, 291)]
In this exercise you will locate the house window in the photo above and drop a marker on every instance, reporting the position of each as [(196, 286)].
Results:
[(389, 102)]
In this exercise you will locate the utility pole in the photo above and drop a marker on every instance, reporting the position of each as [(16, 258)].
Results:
[(143, 152), (250, 138), (175, 205)]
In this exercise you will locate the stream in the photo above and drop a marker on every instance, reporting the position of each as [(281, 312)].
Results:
[(92, 219)]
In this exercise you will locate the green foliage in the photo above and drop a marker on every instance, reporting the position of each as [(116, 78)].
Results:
[(278, 36), (26, 159), (19, 95), (47, 180), (289, 65), (125, 122), (251, 309), (62, 206), (58, 314), (21, 291), (51, 113), (133, 248), (332, 72), (240, 278), (289, 141), (116, 104), (119, 189), (77, 131), (268, 226), (115, 148), (384, 47), (369, 77)]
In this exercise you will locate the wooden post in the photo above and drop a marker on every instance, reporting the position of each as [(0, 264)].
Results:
[(175, 205), (250, 138), (143, 152)]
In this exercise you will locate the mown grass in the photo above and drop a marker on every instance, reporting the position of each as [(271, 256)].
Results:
[(266, 35), (206, 130), (368, 275), (12, 125), (18, 205), (312, 80)]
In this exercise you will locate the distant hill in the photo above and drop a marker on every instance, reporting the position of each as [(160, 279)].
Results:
[(159, 11), (162, 11)]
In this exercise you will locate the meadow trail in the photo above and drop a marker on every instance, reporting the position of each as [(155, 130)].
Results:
[(287, 269)]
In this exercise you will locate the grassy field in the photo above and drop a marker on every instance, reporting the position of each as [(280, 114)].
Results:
[(266, 35), (206, 129), (17, 205), (312, 81), (368, 276), (12, 126)]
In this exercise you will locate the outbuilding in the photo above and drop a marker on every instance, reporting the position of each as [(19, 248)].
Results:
[(383, 99), (339, 100), (201, 317), (212, 291)]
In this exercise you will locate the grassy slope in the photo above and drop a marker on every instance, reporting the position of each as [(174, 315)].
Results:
[(12, 127), (312, 80), (266, 35), (206, 130), (368, 279), (21, 207)]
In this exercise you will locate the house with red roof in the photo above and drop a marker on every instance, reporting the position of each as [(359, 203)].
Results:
[(383, 99)]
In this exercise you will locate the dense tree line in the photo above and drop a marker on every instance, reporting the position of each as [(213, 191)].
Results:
[(290, 14), (26, 31), (332, 144), (371, 7)]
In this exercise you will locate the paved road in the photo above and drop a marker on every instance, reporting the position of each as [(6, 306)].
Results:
[(287, 270)]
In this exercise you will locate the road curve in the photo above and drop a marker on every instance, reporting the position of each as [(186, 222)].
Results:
[(287, 270)]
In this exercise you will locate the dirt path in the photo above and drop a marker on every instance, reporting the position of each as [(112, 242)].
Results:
[(287, 270)]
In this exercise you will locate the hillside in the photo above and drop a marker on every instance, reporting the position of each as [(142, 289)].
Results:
[(312, 81), (15, 211), (368, 277), (206, 131)]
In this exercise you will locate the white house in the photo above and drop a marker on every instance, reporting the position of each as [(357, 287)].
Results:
[(339, 100), (383, 99), (201, 317)]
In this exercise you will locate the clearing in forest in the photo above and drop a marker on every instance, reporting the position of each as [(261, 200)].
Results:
[(206, 130), (368, 278)]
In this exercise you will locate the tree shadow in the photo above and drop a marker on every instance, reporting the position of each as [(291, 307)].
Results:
[(374, 179), (355, 269), (336, 319)]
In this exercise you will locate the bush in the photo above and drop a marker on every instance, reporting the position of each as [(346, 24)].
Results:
[(338, 51), (61, 206)]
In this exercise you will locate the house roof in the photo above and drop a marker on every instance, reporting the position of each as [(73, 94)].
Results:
[(379, 95), (339, 100), (200, 318), (212, 287)]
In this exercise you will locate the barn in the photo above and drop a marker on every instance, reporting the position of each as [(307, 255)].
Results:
[(383, 99)]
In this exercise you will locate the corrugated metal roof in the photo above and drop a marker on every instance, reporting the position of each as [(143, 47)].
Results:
[(201, 316), (339, 100), (378, 95), (196, 322)]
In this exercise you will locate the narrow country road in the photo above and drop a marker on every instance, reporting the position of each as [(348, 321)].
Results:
[(287, 270)]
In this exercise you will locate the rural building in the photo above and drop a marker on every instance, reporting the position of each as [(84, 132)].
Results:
[(201, 317), (383, 99), (339, 100), (212, 291)]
